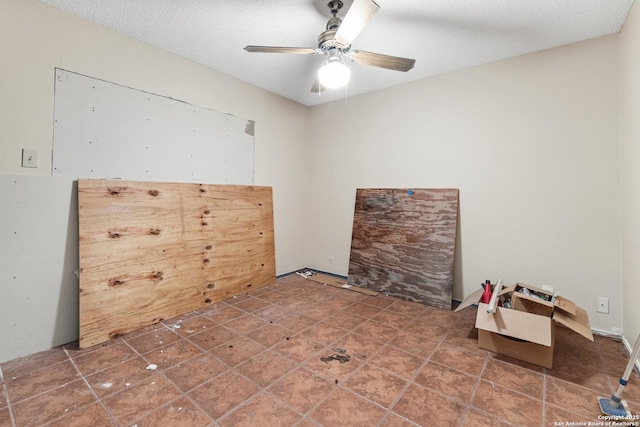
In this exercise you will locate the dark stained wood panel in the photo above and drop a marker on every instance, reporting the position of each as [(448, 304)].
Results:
[(151, 251), (403, 243)]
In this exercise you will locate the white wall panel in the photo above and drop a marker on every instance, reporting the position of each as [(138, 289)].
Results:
[(105, 130)]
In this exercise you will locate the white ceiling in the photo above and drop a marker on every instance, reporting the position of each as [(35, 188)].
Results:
[(442, 35)]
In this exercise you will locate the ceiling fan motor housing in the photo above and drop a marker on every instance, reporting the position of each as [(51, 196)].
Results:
[(326, 40)]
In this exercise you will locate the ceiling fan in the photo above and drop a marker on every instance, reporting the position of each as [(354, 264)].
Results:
[(335, 44)]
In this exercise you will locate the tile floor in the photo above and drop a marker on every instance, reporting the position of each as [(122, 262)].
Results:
[(255, 360)]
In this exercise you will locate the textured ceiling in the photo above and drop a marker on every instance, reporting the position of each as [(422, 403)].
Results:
[(442, 35)]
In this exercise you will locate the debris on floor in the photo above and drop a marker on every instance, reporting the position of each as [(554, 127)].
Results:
[(306, 273), (335, 281), (339, 354), (175, 325)]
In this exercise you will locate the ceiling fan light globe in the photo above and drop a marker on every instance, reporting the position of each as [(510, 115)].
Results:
[(334, 74)]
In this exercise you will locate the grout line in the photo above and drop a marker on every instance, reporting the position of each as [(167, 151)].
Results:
[(82, 376), (395, 401), (161, 373), (605, 367), (544, 395), (133, 349), (475, 388), (182, 395), (6, 395), (493, 417), (390, 413), (40, 393), (320, 401), (233, 370), (314, 407)]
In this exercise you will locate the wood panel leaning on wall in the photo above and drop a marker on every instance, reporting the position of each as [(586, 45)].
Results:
[(404, 243), (151, 251)]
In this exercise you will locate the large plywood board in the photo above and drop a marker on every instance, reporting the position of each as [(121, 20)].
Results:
[(152, 251), (403, 243)]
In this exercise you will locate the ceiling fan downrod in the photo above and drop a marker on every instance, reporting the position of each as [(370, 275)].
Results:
[(335, 6), (326, 38)]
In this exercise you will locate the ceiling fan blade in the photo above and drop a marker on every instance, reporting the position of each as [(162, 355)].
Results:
[(357, 17), (379, 60), (276, 49)]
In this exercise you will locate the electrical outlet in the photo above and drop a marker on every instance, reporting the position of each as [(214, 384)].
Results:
[(330, 257), (602, 305), (29, 158)]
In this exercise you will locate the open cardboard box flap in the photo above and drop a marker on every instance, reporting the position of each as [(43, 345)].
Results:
[(535, 300), (578, 323), (471, 299), (515, 324), (567, 306), (531, 305), (560, 302)]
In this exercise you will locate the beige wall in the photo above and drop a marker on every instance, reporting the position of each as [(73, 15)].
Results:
[(531, 142), (630, 137), (36, 38)]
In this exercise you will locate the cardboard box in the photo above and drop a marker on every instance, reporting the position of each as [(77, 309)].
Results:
[(527, 331)]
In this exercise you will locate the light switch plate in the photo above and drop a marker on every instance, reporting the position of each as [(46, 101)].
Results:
[(29, 158)]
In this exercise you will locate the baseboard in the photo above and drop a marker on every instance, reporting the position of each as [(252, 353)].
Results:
[(604, 333)]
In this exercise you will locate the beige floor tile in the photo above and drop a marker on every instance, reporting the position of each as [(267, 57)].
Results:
[(346, 408), (260, 359), (119, 377), (262, 410), (376, 385), (461, 359), (266, 367), (223, 394), (170, 355), (153, 340), (93, 415), (302, 389), (447, 381), (177, 413), (428, 408), (140, 400), (514, 377), (53, 404), (195, 372), (507, 405), (29, 384)]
